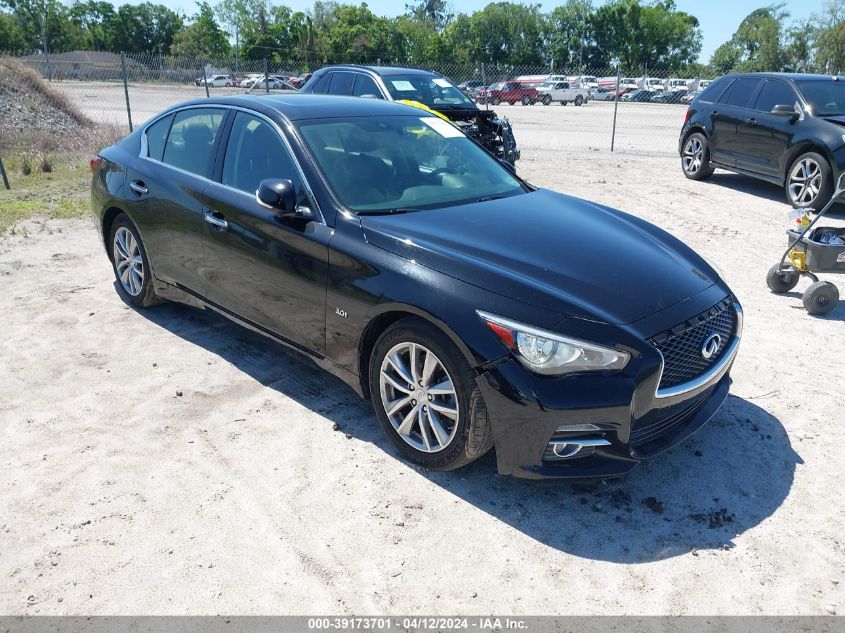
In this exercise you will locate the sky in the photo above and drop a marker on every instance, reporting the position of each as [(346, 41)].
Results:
[(719, 18)]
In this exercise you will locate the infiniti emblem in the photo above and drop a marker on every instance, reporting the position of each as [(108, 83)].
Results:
[(711, 346)]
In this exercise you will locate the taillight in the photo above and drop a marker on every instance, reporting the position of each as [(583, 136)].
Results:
[(95, 163), (688, 115)]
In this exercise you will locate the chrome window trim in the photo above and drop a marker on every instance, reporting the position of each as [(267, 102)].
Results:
[(712, 374), (144, 150)]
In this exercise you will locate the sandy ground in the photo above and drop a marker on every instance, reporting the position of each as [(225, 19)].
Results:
[(169, 462)]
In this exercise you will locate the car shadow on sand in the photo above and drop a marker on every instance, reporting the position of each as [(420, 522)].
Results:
[(729, 477), (766, 190)]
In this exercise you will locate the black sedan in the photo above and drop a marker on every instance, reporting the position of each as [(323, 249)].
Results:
[(785, 128), (472, 308)]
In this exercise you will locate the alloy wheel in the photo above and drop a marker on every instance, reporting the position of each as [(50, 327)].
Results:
[(693, 155), (805, 181), (128, 261), (419, 397)]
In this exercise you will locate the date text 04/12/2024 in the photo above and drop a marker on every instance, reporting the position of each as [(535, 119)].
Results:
[(417, 623)]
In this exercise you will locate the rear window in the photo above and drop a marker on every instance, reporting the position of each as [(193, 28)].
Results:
[(157, 137), (741, 92), (341, 83), (712, 91)]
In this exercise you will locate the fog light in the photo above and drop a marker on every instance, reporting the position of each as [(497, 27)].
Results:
[(575, 447)]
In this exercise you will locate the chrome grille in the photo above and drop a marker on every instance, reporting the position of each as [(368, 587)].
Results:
[(681, 345)]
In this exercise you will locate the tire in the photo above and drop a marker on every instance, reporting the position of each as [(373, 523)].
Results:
[(495, 101), (526, 101), (135, 287), (781, 280), (547, 99), (820, 298), (511, 102), (695, 157), (579, 100), (814, 168), (469, 434)]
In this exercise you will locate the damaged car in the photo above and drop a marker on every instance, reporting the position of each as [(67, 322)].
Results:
[(473, 309), (425, 89)]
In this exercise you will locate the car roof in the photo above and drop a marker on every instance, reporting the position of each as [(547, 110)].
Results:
[(792, 76), (383, 70), (297, 106)]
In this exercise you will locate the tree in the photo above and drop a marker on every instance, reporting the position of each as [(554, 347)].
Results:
[(203, 37), (45, 25), (507, 33), (437, 14), (92, 17), (571, 38), (759, 37), (143, 28), (11, 38), (726, 58)]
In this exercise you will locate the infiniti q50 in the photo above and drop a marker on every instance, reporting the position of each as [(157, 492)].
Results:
[(474, 309)]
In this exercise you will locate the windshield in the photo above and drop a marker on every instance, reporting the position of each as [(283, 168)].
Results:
[(435, 92), (403, 162), (825, 97)]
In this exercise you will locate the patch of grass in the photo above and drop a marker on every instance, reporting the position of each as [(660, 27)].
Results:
[(63, 193)]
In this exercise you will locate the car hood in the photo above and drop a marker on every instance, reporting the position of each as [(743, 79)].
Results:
[(552, 251)]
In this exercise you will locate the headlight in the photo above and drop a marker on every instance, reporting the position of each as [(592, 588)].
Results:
[(549, 353)]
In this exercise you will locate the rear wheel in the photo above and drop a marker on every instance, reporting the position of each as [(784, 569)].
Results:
[(781, 280), (495, 101), (809, 182), (511, 102), (695, 157), (821, 297), (547, 99), (579, 100), (130, 264), (425, 397), (526, 101)]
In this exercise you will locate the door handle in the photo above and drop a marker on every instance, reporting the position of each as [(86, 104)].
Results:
[(750, 122), (213, 220), (715, 114), (139, 187)]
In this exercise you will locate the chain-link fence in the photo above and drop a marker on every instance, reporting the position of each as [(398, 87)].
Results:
[(624, 110)]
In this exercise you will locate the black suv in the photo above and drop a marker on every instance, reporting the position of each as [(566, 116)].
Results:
[(420, 87), (788, 129)]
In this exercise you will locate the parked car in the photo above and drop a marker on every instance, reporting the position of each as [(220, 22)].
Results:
[(783, 128), (425, 88), (638, 95), (472, 308), (601, 94), (274, 83), (250, 79), (563, 93), (215, 81), (470, 88), (508, 92), (298, 82), (690, 96), (669, 96)]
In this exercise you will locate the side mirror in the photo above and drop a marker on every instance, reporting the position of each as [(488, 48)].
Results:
[(786, 111), (277, 195)]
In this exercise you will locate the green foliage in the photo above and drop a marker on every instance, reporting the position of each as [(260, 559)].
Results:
[(203, 37), (144, 27), (11, 37)]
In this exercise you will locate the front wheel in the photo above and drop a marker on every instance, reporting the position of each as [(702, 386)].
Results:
[(425, 397), (526, 101), (547, 99), (495, 101), (809, 182), (130, 264), (695, 157)]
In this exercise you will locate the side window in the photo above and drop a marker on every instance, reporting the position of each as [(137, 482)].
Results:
[(321, 84), (157, 137), (190, 145), (366, 85), (774, 93), (740, 93), (254, 153), (341, 83)]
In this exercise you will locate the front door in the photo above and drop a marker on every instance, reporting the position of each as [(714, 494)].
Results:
[(265, 268), (766, 135)]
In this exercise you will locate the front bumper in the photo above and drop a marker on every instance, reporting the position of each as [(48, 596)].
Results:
[(627, 416)]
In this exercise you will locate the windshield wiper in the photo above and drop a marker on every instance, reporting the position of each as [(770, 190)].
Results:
[(486, 198)]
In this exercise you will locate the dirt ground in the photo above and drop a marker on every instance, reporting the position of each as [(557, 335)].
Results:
[(169, 462)]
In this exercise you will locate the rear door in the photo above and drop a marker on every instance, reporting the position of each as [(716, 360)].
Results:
[(267, 269), (167, 184), (767, 135), (728, 143)]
